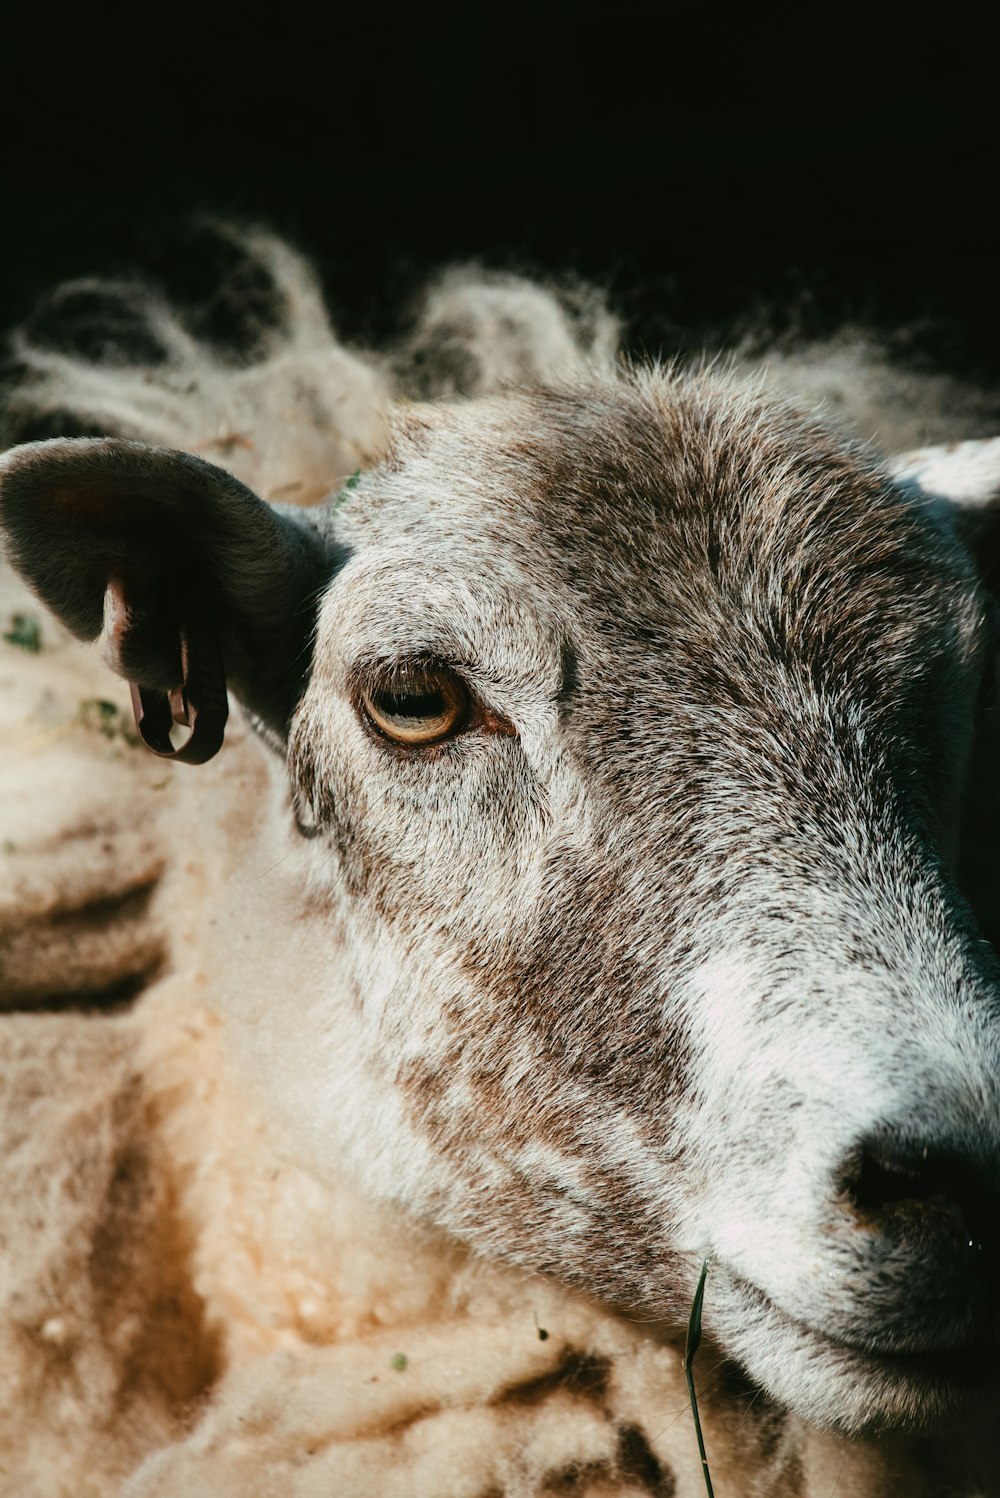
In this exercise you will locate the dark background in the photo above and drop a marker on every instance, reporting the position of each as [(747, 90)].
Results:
[(702, 170)]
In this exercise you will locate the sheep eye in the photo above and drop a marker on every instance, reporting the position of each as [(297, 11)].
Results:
[(417, 705)]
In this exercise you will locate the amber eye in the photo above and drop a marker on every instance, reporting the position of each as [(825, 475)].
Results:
[(417, 704)]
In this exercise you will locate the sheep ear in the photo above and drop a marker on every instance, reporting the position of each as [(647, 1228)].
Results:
[(963, 478), (189, 575)]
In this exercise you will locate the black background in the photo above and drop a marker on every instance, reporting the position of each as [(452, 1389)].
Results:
[(700, 168)]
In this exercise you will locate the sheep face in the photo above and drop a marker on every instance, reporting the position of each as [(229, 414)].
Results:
[(633, 754), (657, 954)]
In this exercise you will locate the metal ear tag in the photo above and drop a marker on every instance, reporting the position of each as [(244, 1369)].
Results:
[(199, 703)]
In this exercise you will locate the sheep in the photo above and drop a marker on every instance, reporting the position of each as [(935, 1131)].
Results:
[(638, 730)]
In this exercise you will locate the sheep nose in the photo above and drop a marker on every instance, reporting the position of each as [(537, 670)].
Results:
[(927, 1196)]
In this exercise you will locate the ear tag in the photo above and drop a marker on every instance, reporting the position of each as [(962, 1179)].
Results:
[(199, 703)]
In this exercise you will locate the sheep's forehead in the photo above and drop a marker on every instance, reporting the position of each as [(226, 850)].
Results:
[(705, 575), (667, 517)]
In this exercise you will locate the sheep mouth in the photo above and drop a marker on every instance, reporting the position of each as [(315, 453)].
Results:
[(844, 1383)]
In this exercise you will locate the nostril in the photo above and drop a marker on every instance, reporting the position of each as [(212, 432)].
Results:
[(900, 1187)]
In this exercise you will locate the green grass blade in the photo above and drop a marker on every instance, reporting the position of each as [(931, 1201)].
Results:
[(691, 1344)]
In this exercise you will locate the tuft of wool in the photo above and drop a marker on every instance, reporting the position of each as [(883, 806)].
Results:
[(478, 331), (853, 380), (293, 420)]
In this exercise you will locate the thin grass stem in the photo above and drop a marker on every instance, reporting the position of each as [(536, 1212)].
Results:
[(691, 1344)]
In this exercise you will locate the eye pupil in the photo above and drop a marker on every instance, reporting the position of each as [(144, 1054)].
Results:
[(417, 705), (410, 704)]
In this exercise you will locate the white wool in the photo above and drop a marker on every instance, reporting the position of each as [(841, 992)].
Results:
[(478, 331), (301, 411), (852, 379), (294, 422)]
